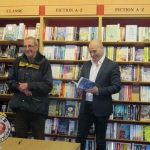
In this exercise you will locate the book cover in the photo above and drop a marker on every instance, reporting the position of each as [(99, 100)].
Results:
[(83, 33), (70, 108), (122, 54), (145, 113), (139, 55), (118, 112), (126, 72), (60, 33), (52, 108), (113, 32), (85, 84), (1, 32), (124, 131), (131, 33), (67, 71), (10, 32), (63, 126), (56, 88), (72, 128)]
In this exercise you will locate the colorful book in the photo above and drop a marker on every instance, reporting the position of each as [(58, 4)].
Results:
[(63, 125), (145, 113)]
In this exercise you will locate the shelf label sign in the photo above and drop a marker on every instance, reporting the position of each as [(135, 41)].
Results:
[(71, 10), (126, 9), (19, 10)]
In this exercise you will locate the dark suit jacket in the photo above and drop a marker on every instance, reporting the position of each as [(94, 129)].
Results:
[(108, 79)]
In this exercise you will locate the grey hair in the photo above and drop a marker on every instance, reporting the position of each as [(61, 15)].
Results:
[(36, 43)]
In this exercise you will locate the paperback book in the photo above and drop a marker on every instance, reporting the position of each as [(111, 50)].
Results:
[(85, 84)]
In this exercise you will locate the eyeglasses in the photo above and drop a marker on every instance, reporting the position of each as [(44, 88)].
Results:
[(29, 46)]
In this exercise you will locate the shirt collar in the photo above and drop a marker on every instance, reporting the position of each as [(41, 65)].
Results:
[(100, 61)]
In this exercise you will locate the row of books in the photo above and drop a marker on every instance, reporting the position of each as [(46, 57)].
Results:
[(131, 33), (128, 93), (127, 53), (70, 33), (128, 72), (130, 112), (67, 52), (66, 71), (64, 108), (61, 126), (60, 89), (10, 51), (133, 93), (126, 146), (115, 53), (60, 139), (72, 108), (14, 31), (128, 131), (131, 73)]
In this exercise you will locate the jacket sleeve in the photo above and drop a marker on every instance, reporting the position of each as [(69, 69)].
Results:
[(114, 82), (45, 86), (12, 77)]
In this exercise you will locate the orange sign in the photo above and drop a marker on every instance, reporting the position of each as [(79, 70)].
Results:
[(71, 10), (19, 10), (126, 9)]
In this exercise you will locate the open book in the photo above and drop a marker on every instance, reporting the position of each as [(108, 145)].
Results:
[(85, 84)]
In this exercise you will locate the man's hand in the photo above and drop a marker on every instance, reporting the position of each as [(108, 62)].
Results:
[(27, 92), (79, 91), (94, 90), (22, 86)]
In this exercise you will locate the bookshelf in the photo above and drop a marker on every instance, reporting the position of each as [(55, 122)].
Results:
[(135, 125), (82, 21)]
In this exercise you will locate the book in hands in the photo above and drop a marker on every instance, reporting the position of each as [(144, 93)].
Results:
[(85, 84)]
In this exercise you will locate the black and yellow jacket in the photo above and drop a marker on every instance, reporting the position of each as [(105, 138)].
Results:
[(38, 75)]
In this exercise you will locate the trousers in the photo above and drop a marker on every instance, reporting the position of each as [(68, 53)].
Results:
[(85, 120), (25, 120)]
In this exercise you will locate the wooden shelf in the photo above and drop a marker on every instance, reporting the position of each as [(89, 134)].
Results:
[(3, 77), (64, 98), (64, 117), (66, 42), (5, 60), (5, 96), (124, 43), (131, 102), (67, 136), (11, 42), (129, 122), (128, 141), (10, 114), (8, 96), (65, 79), (67, 61)]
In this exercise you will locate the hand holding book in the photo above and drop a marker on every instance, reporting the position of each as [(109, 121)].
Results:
[(85, 84)]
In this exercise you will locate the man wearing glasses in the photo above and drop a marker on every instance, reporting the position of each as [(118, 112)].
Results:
[(30, 79)]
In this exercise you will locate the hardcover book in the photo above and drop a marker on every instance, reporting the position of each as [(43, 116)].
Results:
[(131, 33), (63, 125), (145, 113), (113, 32)]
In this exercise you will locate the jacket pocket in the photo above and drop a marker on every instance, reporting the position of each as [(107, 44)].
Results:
[(38, 106)]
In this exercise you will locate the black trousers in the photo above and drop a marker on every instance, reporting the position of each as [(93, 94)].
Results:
[(85, 120), (25, 120)]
